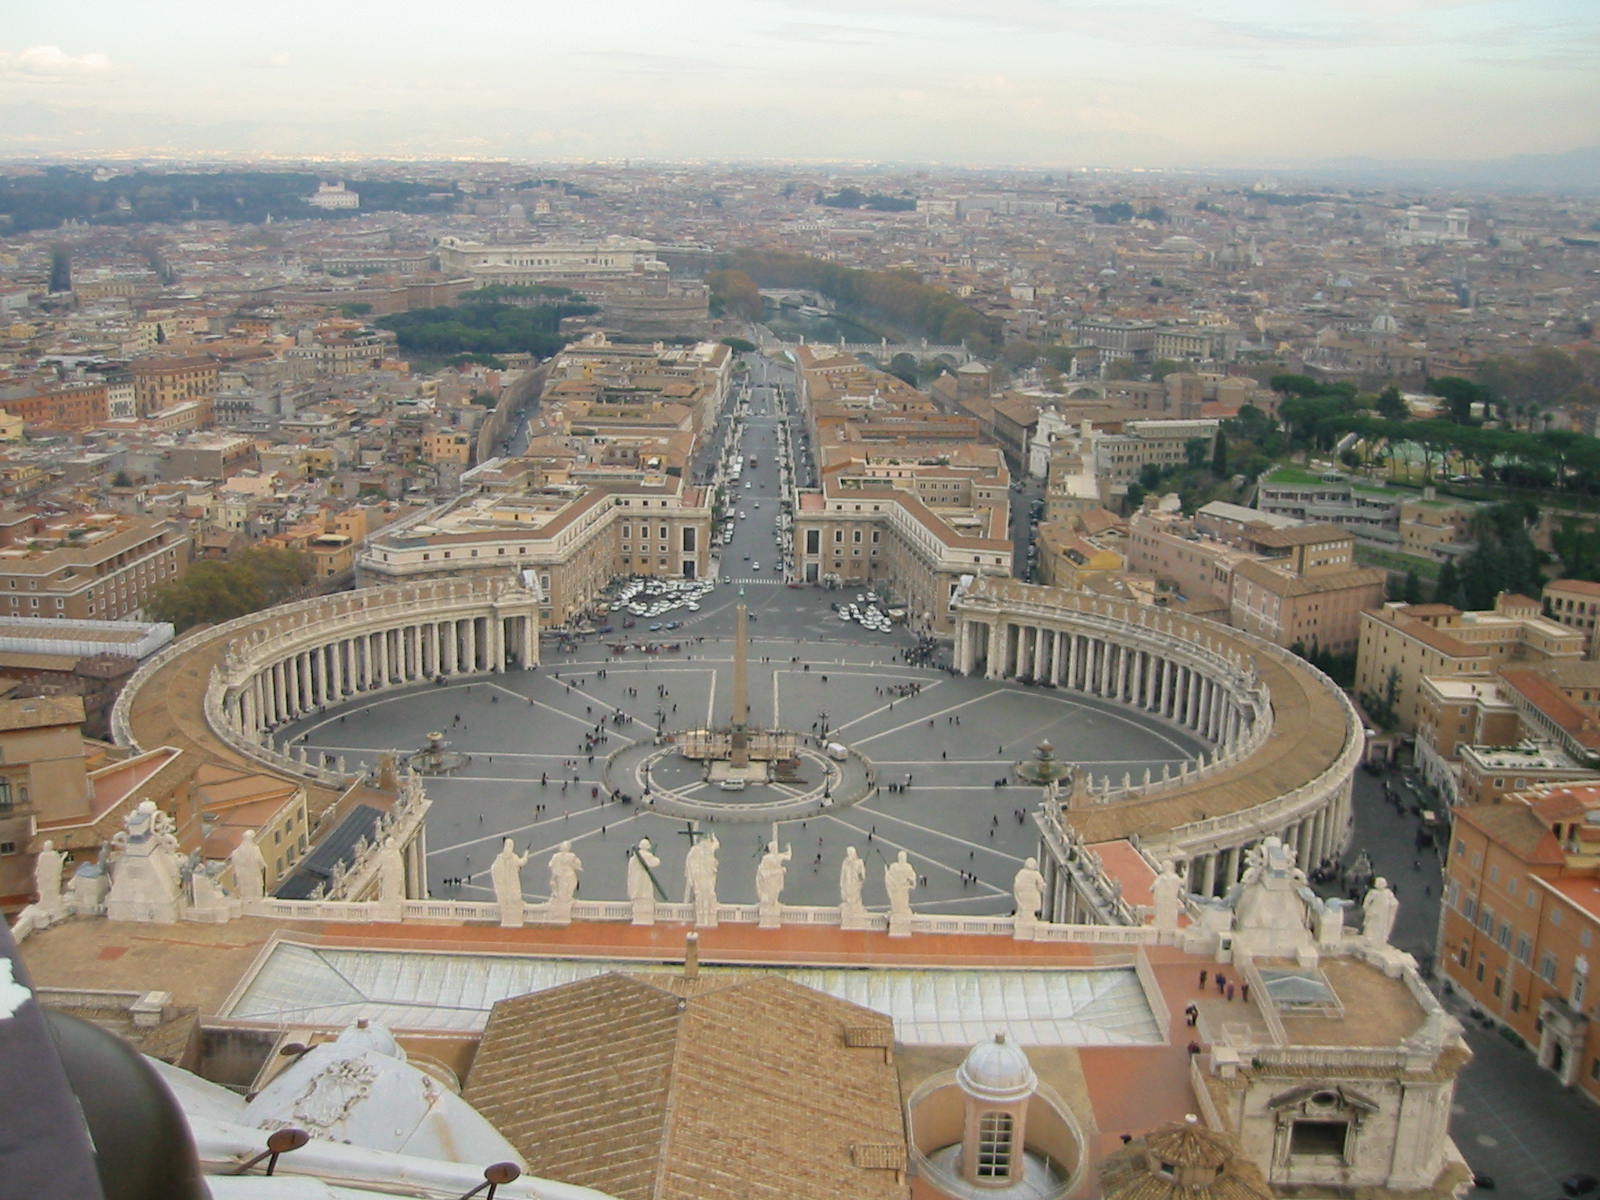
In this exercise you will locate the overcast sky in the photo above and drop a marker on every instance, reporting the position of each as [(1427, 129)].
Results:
[(985, 82)]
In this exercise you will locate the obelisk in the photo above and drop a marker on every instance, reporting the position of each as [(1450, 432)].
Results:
[(739, 725)]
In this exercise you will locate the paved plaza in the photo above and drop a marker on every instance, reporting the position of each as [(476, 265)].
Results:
[(944, 741)]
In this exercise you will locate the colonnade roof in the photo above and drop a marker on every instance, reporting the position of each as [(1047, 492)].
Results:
[(169, 710)]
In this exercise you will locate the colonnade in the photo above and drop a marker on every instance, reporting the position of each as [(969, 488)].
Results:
[(1208, 679), (1156, 679), (423, 648)]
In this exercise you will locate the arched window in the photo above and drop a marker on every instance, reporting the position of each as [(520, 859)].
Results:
[(994, 1146)]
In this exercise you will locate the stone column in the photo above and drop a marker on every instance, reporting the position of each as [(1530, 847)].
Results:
[(1208, 876), (1232, 868), (995, 665), (1122, 674), (472, 644)]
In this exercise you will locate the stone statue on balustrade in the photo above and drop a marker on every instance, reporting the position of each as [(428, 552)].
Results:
[(505, 873), (47, 868), (145, 880), (1027, 890), (1167, 893), (700, 874), (1379, 908), (565, 866), (770, 876), (900, 880), (852, 875), (642, 862), (249, 868)]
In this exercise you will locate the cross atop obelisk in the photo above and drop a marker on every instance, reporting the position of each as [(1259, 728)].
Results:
[(739, 726)]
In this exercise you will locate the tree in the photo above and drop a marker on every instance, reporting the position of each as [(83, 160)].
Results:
[(1194, 452), (1219, 456), (735, 293), (1411, 589), (903, 366), (122, 479), (1391, 406), (739, 345), (1461, 395), (1447, 585), (214, 591)]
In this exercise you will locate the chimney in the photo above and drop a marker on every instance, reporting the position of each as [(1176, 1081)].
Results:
[(691, 956)]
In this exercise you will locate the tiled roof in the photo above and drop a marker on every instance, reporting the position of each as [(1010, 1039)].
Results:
[(700, 1089)]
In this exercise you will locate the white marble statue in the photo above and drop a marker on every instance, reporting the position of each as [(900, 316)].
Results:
[(641, 885), (899, 880), (1027, 889), (1379, 909), (1167, 891), (145, 878), (391, 873), (770, 875), (505, 873), (249, 868), (852, 874), (700, 871), (47, 869), (565, 866)]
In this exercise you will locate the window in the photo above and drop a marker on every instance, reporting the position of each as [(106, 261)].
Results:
[(1320, 1139), (1524, 948), (994, 1146), (1547, 967), (8, 847), (1504, 937)]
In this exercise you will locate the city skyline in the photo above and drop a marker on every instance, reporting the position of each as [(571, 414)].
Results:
[(1023, 82)]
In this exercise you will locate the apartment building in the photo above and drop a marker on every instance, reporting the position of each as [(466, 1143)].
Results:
[(102, 565), (68, 406), (1403, 644), (1371, 513), (1574, 603), (1520, 919), (853, 532), (573, 538), (1119, 457), (164, 383)]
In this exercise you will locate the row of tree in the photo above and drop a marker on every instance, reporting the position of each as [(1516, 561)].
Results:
[(57, 194), (897, 298), (477, 327)]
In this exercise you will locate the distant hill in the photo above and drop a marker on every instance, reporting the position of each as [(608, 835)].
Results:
[(1571, 171)]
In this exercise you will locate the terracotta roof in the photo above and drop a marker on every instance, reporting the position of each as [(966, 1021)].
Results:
[(1580, 587), (1516, 827), (675, 1089), (1182, 1161), (1578, 722), (1285, 583)]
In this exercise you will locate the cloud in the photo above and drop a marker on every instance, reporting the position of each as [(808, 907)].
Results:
[(277, 60), (51, 62)]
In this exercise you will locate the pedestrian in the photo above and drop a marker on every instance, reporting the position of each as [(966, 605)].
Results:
[(1222, 982), (1203, 977), (1244, 992)]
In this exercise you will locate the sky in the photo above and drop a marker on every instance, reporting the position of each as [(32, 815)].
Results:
[(1041, 83)]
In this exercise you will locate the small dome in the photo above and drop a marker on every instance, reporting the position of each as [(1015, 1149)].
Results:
[(364, 1035), (997, 1071), (1384, 323)]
